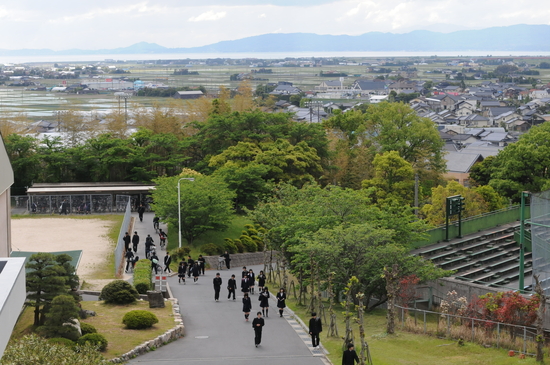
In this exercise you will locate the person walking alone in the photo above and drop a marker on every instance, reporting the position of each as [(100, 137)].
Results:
[(141, 210), (227, 260), (315, 327), (258, 324), (245, 284), (202, 263), (217, 286), (196, 272), (231, 287), (349, 357), (264, 301), (247, 306), (167, 262), (281, 301), (135, 242)]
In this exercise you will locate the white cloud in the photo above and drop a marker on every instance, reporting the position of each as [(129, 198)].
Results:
[(261, 16), (209, 15)]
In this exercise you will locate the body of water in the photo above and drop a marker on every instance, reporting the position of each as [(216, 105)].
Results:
[(265, 55)]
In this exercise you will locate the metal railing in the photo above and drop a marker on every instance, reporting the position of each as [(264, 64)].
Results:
[(70, 204), (484, 332)]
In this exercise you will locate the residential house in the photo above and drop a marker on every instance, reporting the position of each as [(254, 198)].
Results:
[(463, 108), (459, 165), (193, 94), (404, 86), (285, 88), (329, 85), (473, 120), (502, 119), (494, 113), (369, 87)]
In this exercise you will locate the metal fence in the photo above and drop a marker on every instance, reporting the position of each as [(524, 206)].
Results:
[(483, 332), (74, 204), (119, 249), (540, 237)]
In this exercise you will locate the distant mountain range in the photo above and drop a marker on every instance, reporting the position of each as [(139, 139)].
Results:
[(529, 38)]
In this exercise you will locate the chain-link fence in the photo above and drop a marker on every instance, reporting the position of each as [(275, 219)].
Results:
[(483, 332), (540, 237)]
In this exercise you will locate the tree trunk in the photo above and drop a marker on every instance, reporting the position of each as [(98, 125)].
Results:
[(332, 328), (540, 319), (301, 283), (349, 331), (364, 354), (392, 287)]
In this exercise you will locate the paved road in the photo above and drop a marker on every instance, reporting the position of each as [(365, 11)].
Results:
[(216, 332)]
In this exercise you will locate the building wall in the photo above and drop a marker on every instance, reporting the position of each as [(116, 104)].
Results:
[(12, 297), (5, 228)]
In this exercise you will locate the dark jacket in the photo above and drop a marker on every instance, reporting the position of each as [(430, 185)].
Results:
[(247, 305), (264, 299), (167, 260), (281, 300), (217, 282), (349, 357), (141, 210), (315, 325), (196, 270), (245, 285), (261, 280), (129, 255), (257, 321), (127, 239), (232, 284), (251, 277), (182, 270), (135, 239)]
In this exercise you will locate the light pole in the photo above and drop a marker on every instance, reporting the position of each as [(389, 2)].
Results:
[(179, 207)]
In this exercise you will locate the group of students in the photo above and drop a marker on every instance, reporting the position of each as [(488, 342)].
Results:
[(191, 267)]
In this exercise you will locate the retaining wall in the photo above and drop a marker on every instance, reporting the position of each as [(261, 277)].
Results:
[(237, 260)]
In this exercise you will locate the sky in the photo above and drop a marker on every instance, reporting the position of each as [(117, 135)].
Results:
[(106, 24)]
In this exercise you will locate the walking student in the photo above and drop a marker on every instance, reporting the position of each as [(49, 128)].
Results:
[(264, 301), (135, 242), (141, 210), (261, 281), (281, 301), (127, 239), (349, 357), (196, 272), (315, 327), (227, 259), (252, 280), (167, 262), (182, 271), (217, 286), (155, 262), (129, 259), (202, 263), (257, 324), (247, 306), (190, 265), (245, 284), (231, 287)]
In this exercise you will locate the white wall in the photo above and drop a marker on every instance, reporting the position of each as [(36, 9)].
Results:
[(12, 296)]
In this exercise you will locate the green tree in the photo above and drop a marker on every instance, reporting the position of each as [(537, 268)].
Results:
[(481, 172), (206, 204), (393, 179), (523, 166), (24, 161), (46, 279), (64, 310)]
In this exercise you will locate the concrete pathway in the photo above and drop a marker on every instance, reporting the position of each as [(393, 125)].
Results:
[(217, 333)]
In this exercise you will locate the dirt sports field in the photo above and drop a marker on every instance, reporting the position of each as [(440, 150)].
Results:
[(66, 234)]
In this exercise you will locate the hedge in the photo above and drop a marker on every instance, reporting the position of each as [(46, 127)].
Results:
[(143, 276), (139, 319)]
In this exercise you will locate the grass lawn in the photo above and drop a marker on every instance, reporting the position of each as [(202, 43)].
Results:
[(403, 347), (108, 322)]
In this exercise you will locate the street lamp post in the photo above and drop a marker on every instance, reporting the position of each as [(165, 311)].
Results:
[(179, 207)]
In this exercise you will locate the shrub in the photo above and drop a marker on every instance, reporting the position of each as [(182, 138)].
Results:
[(119, 292), (94, 339), (143, 276), (239, 245), (181, 253), (210, 249), (60, 319), (32, 349), (87, 328), (139, 319), (230, 246), (62, 341), (249, 243)]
